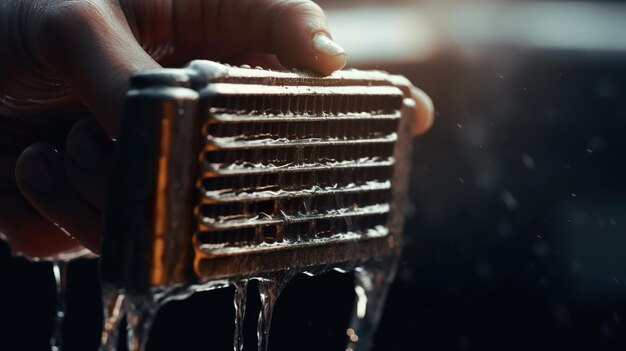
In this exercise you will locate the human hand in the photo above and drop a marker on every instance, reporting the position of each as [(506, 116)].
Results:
[(68, 53)]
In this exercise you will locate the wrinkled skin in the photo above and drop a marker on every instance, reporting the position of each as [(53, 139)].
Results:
[(64, 61)]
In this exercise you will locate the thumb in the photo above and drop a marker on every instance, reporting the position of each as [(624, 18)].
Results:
[(91, 46), (293, 30), (300, 37)]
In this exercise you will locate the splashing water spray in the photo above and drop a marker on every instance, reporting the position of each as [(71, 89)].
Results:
[(226, 174)]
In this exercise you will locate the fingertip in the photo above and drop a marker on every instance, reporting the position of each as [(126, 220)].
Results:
[(29, 234), (424, 111), (329, 55), (37, 168), (301, 39), (41, 178)]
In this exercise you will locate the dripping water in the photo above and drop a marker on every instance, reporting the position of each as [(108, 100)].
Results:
[(269, 290), (59, 270), (342, 206), (372, 282), (239, 301), (268, 298), (140, 313), (59, 273), (113, 311)]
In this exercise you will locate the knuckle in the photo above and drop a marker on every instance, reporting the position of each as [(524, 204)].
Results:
[(63, 25), (299, 8), (77, 9), (68, 16), (306, 14)]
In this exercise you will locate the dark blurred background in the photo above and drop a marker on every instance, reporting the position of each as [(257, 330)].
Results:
[(515, 232)]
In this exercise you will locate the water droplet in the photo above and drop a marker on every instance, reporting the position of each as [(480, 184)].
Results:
[(528, 161), (59, 270), (509, 200)]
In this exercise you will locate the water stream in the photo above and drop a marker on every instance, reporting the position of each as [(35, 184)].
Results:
[(269, 290), (113, 311), (239, 300), (59, 270), (140, 313), (372, 282)]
